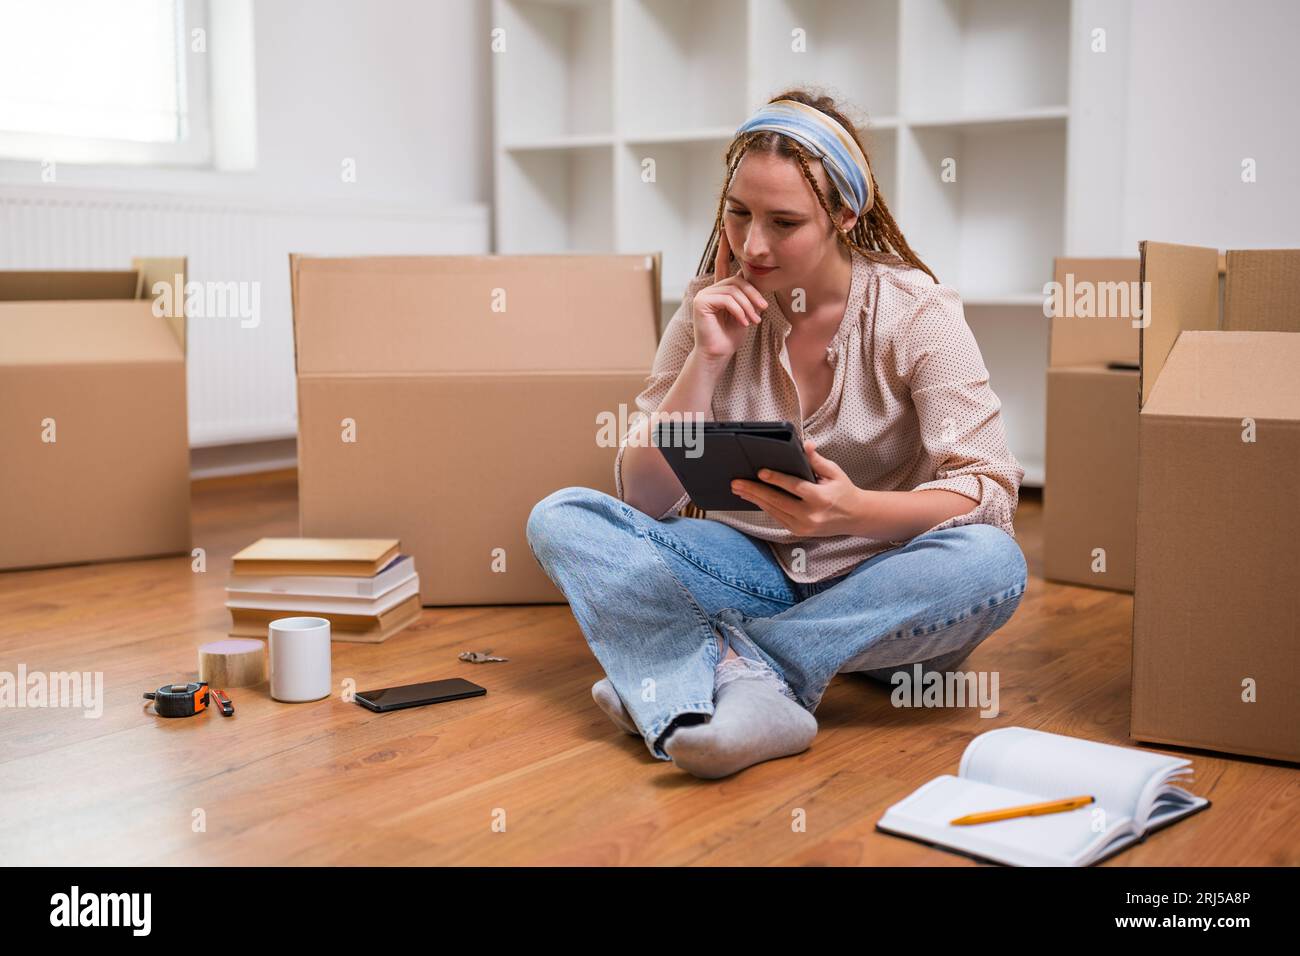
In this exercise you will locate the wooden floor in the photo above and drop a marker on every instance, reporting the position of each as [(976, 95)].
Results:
[(329, 782)]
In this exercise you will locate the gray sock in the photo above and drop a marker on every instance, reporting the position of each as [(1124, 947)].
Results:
[(607, 699), (755, 718)]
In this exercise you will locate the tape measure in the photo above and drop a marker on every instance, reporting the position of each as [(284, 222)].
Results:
[(179, 700)]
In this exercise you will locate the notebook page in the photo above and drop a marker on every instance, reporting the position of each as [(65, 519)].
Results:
[(1051, 839), (1122, 779), (1173, 801)]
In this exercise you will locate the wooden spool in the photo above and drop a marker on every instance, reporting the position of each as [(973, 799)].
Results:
[(234, 662)]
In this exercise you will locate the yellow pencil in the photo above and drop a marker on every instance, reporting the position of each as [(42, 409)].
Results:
[(1027, 810)]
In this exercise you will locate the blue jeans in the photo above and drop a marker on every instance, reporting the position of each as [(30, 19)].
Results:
[(652, 597)]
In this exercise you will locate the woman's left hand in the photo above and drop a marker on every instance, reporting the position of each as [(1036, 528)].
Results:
[(831, 506)]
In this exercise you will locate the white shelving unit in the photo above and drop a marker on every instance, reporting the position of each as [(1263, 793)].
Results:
[(593, 96)]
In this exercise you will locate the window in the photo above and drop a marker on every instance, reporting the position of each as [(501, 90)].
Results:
[(98, 82)]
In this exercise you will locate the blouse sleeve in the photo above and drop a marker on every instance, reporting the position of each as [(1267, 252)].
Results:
[(674, 348), (958, 413)]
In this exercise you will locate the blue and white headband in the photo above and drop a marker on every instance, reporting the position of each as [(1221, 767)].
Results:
[(839, 152)]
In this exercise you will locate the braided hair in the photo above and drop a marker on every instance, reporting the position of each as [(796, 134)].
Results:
[(875, 235)]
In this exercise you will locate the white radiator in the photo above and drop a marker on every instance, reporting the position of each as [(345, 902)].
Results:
[(241, 379)]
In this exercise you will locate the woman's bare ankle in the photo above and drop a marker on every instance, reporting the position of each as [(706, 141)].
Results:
[(731, 651)]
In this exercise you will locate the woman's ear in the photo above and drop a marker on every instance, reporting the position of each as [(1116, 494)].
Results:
[(847, 220)]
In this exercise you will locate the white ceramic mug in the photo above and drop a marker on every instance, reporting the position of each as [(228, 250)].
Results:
[(300, 658)]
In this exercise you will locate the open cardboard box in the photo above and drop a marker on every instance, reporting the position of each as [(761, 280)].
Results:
[(1090, 491), (1216, 623), (441, 397), (92, 417)]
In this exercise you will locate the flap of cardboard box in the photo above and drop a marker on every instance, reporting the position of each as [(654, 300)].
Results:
[(1180, 288), (169, 270), (67, 285), (138, 282), (1231, 375), (488, 313), (78, 333), (1262, 290), (1094, 311)]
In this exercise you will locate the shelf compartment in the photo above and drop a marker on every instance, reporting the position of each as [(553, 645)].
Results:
[(993, 232), (555, 200), (1043, 116), (882, 153), (1013, 343), (555, 77), (972, 57), (675, 213), (680, 65), (855, 41)]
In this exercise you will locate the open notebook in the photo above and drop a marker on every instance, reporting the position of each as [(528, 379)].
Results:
[(1135, 791)]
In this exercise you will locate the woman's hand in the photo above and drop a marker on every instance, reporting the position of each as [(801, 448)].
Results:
[(723, 312), (834, 505)]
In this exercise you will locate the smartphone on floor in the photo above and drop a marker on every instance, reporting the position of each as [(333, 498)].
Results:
[(417, 695)]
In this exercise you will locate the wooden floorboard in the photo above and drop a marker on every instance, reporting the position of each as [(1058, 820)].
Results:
[(330, 782)]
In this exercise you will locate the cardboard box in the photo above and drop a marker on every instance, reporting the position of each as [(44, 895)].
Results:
[(92, 417), (1090, 489), (441, 397), (1216, 623)]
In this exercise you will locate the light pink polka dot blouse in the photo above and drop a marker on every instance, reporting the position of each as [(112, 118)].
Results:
[(910, 407)]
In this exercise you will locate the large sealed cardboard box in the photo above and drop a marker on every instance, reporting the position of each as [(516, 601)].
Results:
[(96, 463), (1216, 623), (1090, 491), (441, 397)]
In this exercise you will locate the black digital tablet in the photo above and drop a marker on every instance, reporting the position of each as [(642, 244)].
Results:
[(707, 456)]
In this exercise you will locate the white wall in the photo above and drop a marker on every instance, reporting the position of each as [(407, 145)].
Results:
[(1163, 120), (1159, 123), (401, 86), (1213, 83)]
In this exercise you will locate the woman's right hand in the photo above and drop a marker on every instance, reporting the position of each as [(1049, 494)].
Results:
[(723, 312)]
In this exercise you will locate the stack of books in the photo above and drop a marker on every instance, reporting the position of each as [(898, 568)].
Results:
[(366, 588)]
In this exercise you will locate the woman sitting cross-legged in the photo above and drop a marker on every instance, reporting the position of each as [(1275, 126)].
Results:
[(720, 634)]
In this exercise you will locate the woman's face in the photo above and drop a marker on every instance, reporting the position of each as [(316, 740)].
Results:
[(773, 219)]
